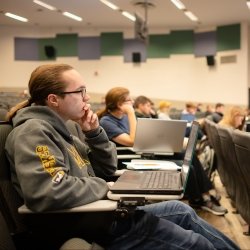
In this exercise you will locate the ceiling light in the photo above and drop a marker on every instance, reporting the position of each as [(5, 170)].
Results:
[(109, 4), (128, 15), (191, 16), (47, 6), (19, 18), (248, 4), (77, 18), (178, 4)]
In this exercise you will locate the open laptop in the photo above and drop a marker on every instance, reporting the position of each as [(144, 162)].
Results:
[(163, 182), (159, 137)]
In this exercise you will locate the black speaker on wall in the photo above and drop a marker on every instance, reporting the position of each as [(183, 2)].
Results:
[(136, 57), (210, 61), (50, 51)]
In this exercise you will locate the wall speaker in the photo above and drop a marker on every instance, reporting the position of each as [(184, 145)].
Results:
[(210, 61), (50, 51), (136, 57)]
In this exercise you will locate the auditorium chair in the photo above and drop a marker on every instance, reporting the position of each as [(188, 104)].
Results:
[(234, 186), (220, 162), (207, 130), (241, 141)]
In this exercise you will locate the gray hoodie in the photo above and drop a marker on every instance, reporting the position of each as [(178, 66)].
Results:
[(52, 169)]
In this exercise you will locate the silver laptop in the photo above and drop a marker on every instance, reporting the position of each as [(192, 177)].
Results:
[(159, 182), (156, 136)]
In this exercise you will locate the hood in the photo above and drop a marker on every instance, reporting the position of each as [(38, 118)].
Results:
[(43, 113)]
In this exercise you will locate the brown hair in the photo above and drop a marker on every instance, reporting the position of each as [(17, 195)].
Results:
[(190, 105), (218, 105), (113, 98), (141, 100), (44, 80)]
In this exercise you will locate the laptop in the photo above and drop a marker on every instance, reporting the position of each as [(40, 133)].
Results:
[(159, 137), (159, 182)]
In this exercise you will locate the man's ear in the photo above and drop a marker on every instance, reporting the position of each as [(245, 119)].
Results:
[(52, 100)]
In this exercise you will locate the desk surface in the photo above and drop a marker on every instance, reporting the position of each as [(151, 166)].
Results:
[(96, 206)]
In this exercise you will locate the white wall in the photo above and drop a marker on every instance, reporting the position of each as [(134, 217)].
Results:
[(178, 78)]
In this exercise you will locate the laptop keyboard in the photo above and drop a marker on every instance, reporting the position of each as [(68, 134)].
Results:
[(159, 180)]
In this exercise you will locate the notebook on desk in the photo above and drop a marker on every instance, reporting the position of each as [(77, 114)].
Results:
[(156, 136), (158, 182)]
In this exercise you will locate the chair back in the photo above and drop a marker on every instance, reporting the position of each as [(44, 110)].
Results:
[(241, 141), (207, 128), (9, 198), (231, 165), (6, 241), (220, 162)]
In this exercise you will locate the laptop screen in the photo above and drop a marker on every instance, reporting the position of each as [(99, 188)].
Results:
[(189, 151), (157, 136)]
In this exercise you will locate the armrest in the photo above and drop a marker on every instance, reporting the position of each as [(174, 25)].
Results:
[(128, 156), (126, 153), (96, 206), (124, 148)]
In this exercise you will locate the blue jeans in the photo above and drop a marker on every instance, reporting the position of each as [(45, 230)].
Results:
[(168, 225)]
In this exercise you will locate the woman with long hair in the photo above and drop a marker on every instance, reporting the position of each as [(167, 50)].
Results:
[(234, 118), (118, 117)]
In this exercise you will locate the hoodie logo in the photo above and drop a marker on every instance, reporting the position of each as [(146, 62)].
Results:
[(48, 160), (78, 159), (58, 177)]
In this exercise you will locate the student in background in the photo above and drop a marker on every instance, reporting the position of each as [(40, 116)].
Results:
[(188, 113), (163, 109), (209, 110), (234, 118), (217, 115), (143, 107), (118, 116)]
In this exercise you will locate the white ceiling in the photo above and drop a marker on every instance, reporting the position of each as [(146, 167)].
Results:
[(211, 13)]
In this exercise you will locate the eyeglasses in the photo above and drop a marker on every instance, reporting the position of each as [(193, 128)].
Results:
[(82, 91), (129, 100)]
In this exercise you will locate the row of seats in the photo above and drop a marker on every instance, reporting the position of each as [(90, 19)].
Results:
[(232, 151)]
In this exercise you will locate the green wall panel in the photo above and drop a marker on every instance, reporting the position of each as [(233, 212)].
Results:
[(158, 46), (181, 42), (111, 43), (42, 42), (66, 45), (228, 37)]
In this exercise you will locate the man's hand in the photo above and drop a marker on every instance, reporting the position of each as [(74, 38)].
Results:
[(89, 120)]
